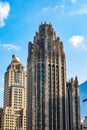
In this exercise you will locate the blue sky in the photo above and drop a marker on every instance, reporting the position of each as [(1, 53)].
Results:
[(20, 19)]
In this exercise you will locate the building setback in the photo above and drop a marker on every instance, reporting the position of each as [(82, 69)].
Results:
[(14, 111)]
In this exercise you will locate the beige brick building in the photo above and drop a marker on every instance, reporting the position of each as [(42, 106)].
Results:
[(14, 112)]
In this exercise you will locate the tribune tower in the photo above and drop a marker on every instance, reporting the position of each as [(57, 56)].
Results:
[(46, 73)]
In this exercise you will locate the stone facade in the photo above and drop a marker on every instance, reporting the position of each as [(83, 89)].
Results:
[(46, 90), (73, 104), (14, 112)]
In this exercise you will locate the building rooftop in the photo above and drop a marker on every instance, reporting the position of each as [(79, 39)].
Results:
[(15, 58)]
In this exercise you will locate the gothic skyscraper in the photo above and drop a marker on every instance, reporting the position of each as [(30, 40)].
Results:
[(46, 90)]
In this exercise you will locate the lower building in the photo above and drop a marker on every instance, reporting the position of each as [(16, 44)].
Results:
[(73, 104), (13, 119), (84, 123), (83, 126)]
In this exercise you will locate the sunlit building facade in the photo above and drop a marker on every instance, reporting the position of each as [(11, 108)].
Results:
[(14, 112)]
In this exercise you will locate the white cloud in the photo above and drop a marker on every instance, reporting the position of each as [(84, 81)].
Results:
[(9, 47), (52, 9), (55, 8), (46, 10), (62, 6), (73, 1), (4, 12), (78, 42), (82, 10)]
